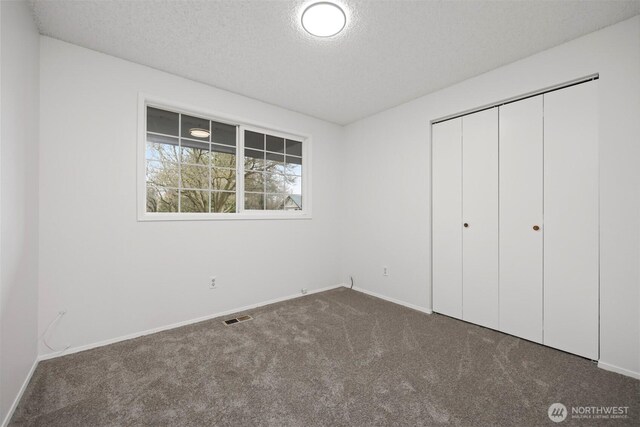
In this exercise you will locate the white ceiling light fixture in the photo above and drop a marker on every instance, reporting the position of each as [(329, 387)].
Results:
[(323, 19), (199, 133)]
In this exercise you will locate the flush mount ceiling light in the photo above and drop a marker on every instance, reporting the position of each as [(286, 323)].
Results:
[(199, 133), (323, 19)]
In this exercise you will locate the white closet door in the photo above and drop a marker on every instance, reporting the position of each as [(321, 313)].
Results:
[(447, 217), (521, 190), (571, 246), (480, 218)]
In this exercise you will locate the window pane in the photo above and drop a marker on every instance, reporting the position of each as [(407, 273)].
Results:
[(293, 202), (275, 144), (253, 160), (161, 139), (275, 183), (162, 174), (294, 184), (189, 143), (223, 201), (222, 133), (274, 202), (254, 201), (195, 152), (253, 140), (161, 151), (254, 181), (294, 165), (191, 125), (196, 177), (161, 199), (223, 156), (223, 179), (194, 201), (275, 163), (161, 121), (294, 148)]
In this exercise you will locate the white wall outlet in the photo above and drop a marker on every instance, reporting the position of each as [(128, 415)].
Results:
[(212, 283), (303, 291), (385, 271)]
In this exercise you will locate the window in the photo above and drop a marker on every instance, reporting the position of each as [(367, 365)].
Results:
[(200, 167), (272, 172)]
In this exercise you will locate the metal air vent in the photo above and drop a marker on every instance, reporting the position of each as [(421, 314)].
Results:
[(237, 320)]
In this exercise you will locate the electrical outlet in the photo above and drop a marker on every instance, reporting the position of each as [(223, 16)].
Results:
[(385, 271), (212, 283)]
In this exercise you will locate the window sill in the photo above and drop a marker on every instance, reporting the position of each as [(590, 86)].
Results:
[(221, 216)]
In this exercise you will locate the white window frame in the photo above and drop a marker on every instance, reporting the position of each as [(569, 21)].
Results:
[(145, 101)]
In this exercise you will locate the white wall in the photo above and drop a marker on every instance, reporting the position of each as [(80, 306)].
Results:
[(388, 199), (19, 199), (116, 276)]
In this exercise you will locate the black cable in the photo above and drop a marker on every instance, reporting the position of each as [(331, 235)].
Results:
[(351, 277)]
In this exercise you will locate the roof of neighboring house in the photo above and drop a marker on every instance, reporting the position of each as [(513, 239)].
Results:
[(295, 198)]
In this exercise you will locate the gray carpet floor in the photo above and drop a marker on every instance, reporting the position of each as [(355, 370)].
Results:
[(337, 358)]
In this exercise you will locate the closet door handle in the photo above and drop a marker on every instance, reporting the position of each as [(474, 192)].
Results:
[(466, 225), (536, 227)]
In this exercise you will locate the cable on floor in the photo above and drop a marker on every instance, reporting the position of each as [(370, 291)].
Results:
[(44, 335)]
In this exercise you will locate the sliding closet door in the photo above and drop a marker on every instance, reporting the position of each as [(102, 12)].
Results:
[(521, 227), (571, 220), (480, 218), (447, 217)]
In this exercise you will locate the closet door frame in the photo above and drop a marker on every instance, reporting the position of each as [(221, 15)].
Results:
[(589, 78)]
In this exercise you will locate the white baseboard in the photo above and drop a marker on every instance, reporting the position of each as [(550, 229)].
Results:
[(393, 300), (618, 370), (179, 324), (14, 405)]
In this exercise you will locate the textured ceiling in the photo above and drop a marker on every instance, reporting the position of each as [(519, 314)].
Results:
[(390, 51)]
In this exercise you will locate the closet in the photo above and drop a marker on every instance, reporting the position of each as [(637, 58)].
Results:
[(515, 222)]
